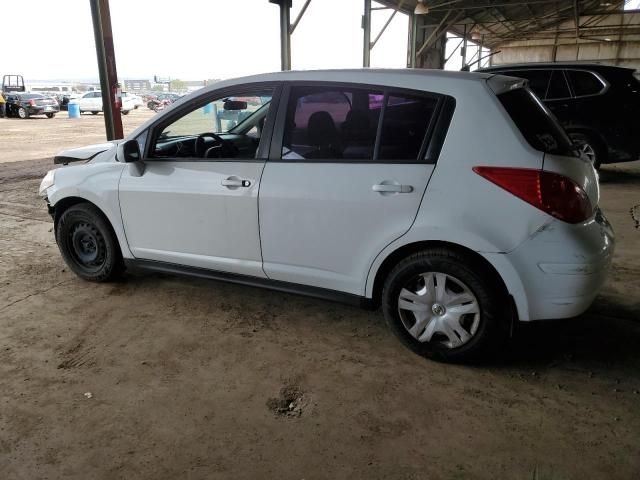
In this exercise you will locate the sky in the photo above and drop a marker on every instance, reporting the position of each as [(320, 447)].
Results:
[(194, 39), (197, 39)]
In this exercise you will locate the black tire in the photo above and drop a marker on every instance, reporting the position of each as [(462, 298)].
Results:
[(125, 112), (87, 243), (23, 113), (588, 142), (94, 113), (492, 327), (50, 115)]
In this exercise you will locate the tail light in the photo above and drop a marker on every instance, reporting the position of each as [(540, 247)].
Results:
[(555, 194)]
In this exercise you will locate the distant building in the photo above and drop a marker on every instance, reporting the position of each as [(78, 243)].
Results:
[(136, 85)]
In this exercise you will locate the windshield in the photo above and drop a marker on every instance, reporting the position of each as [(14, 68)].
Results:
[(250, 122)]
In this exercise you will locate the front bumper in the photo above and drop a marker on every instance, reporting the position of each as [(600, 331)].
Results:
[(561, 268)]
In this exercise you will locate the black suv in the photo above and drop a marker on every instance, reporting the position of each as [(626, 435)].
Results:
[(597, 105)]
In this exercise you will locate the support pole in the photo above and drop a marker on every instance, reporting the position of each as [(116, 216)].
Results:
[(413, 39), (366, 26), (464, 48), (106, 67), (285, 33)]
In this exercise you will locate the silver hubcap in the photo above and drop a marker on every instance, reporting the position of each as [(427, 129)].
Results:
[(588, 151), (436, 307)]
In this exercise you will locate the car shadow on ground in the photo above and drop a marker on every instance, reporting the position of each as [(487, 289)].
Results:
[(592, 340), (612, 175), (595, 340)]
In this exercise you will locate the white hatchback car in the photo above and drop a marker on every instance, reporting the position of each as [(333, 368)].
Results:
[(454, 200), (92, 102)]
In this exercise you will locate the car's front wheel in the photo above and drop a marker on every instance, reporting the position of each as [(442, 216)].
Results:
[(125, 112), (23, 112), (50, 115), (88, 244), (446, 305)]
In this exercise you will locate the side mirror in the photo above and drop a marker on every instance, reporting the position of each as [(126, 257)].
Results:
[(128, 151)]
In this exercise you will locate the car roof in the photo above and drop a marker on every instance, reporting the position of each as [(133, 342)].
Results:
[(557, 65), (438, 80)]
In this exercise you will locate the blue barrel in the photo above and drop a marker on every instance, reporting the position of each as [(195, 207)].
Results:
[(207, 109), (74, 110)]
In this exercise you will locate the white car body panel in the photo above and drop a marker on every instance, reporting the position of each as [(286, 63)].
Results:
[(178, 212), (96, 182), (94, 104), (321, 224), (83, 153)]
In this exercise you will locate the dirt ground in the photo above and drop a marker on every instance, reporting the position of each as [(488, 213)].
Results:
[(162, 377)]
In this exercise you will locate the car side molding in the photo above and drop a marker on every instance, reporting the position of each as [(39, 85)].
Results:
[(140, 265)]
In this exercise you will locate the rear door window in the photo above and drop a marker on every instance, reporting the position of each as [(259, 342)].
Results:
[(331, 123), (584, 83), (405, 124), (538, 126), (327, 123)]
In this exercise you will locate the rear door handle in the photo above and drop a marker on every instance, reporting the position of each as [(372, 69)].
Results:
[(235, 182), (392, 188)]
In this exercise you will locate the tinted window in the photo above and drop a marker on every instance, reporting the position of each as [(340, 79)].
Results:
[(584, 83), (538, 80), (330, 123), (405, 125), (558, 87), (31, 96), (535, 123)]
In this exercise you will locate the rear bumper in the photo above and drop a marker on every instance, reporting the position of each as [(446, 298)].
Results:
[(43, 110), (559, 270)]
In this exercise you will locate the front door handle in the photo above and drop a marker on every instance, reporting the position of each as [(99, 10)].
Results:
[(392, 188), (235, 182)]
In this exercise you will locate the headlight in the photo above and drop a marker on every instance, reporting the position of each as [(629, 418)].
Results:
[(47, 181)]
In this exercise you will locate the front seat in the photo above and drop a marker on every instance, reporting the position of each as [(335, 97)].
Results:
[(323, 135)]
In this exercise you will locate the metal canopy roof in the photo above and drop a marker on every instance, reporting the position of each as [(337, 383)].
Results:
[(500, 21)]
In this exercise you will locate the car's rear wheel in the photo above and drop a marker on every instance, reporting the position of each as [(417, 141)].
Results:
[(125, 112), (94, 113), (590, 148), (23, 112), (50, 115), (88, 244), (446, 305)]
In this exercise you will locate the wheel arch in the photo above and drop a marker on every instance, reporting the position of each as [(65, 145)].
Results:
[(404, 251), (65, 203)]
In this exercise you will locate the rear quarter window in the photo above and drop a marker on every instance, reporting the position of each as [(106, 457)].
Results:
[(585, 83), (537, 125)]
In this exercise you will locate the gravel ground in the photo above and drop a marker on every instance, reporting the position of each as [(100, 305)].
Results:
[(162, 377)]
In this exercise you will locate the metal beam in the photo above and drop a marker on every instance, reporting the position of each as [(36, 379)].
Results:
[(366, 27), (285, 33), (435, 34), (299, 17), (103, 35), (384, 27), (576, 19)]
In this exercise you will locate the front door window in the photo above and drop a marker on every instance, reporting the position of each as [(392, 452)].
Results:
[(227, 127)]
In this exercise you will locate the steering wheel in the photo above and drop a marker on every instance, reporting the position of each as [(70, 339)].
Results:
[(200, 147)]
